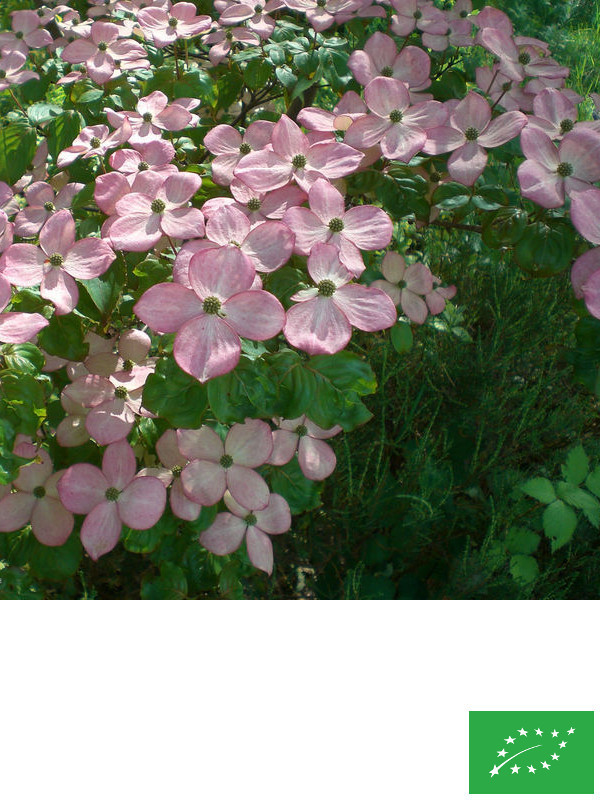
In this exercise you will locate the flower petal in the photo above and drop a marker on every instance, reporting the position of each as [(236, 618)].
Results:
[(51, 522), (207, 346), (255, 315), (247, 487), (204, 482), (249, 444), (101, 530), (142, 502), (225, 535), (82, 488)]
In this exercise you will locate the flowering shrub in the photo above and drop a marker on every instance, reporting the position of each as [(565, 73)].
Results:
[(203, 216)]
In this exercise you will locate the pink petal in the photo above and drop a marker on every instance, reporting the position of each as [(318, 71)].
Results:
[(473, 111), (316, 458), (249, 444), (71, 431), (135, 232), (402, 142), (79, 51), (51, 522), (443, 139), (90, 390), (503, 129), (317, 326), (15, 511), (183, 223), (179, 188), (326, 201), (591, 294), (284, 447), (540, 185), (255, 315), (82, 488), (23, 264), (207, 346), (288, 140), (581, 149), (165, 307), (247, 487), (366, 131), (583, 269), (118, 464), (204, 482), (60, 288), (88, 258), (223, 140), (307, 227), (366, 308), (174, 118), (585, 214), (334, 160), (204, 443), (269, 245), (110, 421), (264, 171), (17, 327), (384, 95), (181, 506), (220, 272), (101, 530), (58, 234), (276, 517), (260, 549), (35, 474), (537, 146), (368, 227), (467, 163), (142, 502), (225, 535), (414, 306)]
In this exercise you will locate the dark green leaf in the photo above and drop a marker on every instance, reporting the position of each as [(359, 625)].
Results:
[(63, 337), (62, 131), (175, 395), (55, 563), (18, 143), (301, 494)]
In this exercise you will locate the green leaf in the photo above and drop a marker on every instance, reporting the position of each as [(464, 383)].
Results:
[(229, 87), (451, 195), (63, 337), (545, 250), (171, 585), (42, 112), (257, 74), (62, 131), (18, 142), (9, 463), (521, 541), (402, 337), (286, 77), (23, 358), (503, 228), (593, 481), (559, 522), (105, 290), (248, 391), (55, 563), (524, 569), (24, 401), (301, 494), (576, 466), (452, 84), (346, 371), (196, 83), (579, 498), (539, 488), (175, 395)]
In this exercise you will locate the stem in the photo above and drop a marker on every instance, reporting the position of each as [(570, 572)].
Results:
[(176, 60), (498, 100), (187, 58), (12, 94)]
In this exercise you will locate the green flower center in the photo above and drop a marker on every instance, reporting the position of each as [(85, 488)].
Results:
[(435, 177), (253, 204), (176, 471), (299, 161), (565, 169), (121, 392), (39, 492), (226, 461), (112, 494), (172, 22), (566, 125), (418, 14), (102, 46), (336, 225), (157, 206), (229, 35), (40, 12), (56, 260), (301, 430), (395, 116), (143, 166), (321, 3), (49, 206), (387, 72), (19, 34), (250, 518), (506, 86), (212, 305), (2, 74), (147, 117), (95, 142), (471, 134), (326, 288), (463, 14), (402, 284), (245, 148), (128, 365), (257, 9), (524, 58)]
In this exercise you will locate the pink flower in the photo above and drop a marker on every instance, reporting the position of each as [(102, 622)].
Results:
[(155, 156), (71, 430), (550, 172), (17, 327), (57, 261), (349, 108), (152, 116), (165, 25), (100, 49), (400, 130), (36, 500), (359, 228), (257, 206), (174, 461), (143, 219), (227, 532), (417, 14), (255, 14), (323, 15), (436, 299), (406, 285), (222, 41), (41, 204), (323, 319), (216, 466), (26, 33), (111, 497), (210, 318), (11, 72), (229, 146), (502, 90), (380, 58), (585, 214), (95, 140), (293, 157), (555, 113), (585, 276), (315, 457), (519, 62), (472, 129)]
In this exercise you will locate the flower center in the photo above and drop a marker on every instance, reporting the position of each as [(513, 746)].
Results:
[(435, 177), (2, 74), (121, 392), (245, 148), (176, 471), (301, 430), (49, 206), (250, 519), (257, 9), (128, 365), (464, 14), (396, 116), (402, 284), (172, 22), (211, 305), (506, 86), (418, 14), (565, 169), (143, 165), (56, 260), (147, 117), (471, 134), (19, 34), (387, 72), (39, 492), (226, 461), (566, 125), (326, 288), (229, 35), (95, 142), (321, 3), (524, 58), (299, 161), (102, 46), (253, 204), (40, 12), (112, 494), (157, 206), (336, 225)]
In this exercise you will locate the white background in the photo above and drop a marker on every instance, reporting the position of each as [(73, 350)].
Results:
[(275, 700)]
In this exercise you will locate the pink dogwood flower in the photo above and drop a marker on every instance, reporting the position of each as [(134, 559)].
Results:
[(155, 156), (227, 532), (554, 113), (111, 497), (71, 430), (406, 285), (26, 34), (229, 146), (165, 25), (585, 276), (380, 58), (143, 219), (153, 115), (95, 140), (315, 457), (359, 228), (436, 299), (472, 129), (323, 15), (58, 261), (174, 461), (519, 62), (210, 318), (585, 214), (17, 327), (100, 48), (293, 157), (42, 203), (11, 72), (550, 172), (223, 40), (256, 15), (322, 320), (419, 14), (36, 500), (350, 107), (258, 207), (401, 130), (216, 466)]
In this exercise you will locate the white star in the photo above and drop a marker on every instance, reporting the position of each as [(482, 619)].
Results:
[(554, 733), (494, 771), (538, 732), (545, 765), (554, 757), (523, 732), (501, 753), (515, 768), (531, 768), (510, 740), (562, 744), (571, 731)]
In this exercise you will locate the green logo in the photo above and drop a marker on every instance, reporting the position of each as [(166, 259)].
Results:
[(531, 752)]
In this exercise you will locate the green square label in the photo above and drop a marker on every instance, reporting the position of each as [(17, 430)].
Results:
[(531, 752)]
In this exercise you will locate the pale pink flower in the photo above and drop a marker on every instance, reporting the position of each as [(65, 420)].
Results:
[(472, 129), (174, 461), (26, 34), (419, 14), (6, 232), (155, 156), (350, 107), (216, 466), (554, 113), (380, 58), (520, 62), (36, 500), (293, 157), (95, 140), (323, 15), (229, 146), (110, 187), (222, 41), (17, 327), (132, 351), (585, 214), (152, 116), (58, 261), (257, 206), (406, 285), (227, 532), (585, 274), (255, 14), (42, 203), (111, 497), (322, 320), (436, 299), (143, 219), (11, 72), (210, 318), (71, 430), (360, 228), (502, 90), (164, 25), (100, 48), (550, 172), (315, 457)]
